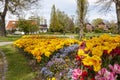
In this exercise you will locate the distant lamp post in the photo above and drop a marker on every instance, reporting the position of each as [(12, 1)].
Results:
[(0, 16), (0, 19)]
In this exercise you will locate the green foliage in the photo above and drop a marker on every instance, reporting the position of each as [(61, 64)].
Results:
[(77, 29), (10, 38), (27, 26), (99, 30), (54, 23), (113, 27), (60, 22), (97, 21), (15, 7), (18, 68), (66, 22)]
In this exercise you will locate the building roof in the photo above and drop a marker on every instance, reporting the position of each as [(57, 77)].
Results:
[(11, 24), (43, 25)]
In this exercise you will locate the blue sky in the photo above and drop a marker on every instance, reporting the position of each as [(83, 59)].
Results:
[(69, 7)]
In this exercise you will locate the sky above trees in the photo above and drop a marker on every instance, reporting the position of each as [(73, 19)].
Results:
[(69, 7)]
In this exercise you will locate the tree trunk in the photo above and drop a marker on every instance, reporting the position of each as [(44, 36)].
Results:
[(2, 27), (117, 2), (2, 20), (81, 25), (81, 33)]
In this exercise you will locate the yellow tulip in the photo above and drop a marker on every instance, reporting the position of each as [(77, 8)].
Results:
[(94, 61), (47, 54), (82, 53), (52, 78), (38, 58), (98, 50)]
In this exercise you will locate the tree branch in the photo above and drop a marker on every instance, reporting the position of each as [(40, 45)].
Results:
[(5, 9)]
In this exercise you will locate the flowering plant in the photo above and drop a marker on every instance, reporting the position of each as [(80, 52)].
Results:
[(99, 57), (39, 46)]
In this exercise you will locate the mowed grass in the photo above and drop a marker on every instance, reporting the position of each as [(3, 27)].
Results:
[(18, 68), (10, 38)]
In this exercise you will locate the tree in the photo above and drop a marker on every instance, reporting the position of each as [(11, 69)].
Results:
[(61, 16), (27, 26), (113, 27), (14, 6), (96, 22), (60, 22), (54, 23), (67, 24), (82, 6), (70, 27), (107, 6)]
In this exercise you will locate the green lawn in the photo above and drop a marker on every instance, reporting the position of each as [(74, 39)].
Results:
[(18, 68), (92, 34), (10, 38), (87, 35)]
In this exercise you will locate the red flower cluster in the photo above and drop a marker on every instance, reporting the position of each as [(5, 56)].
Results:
[(115, 51)]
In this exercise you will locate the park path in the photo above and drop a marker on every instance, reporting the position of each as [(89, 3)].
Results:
[(3, 62), (5, 43)]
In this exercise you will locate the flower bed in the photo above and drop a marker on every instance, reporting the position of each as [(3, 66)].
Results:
[(98, 59), (69, 59), (60, 64), (39, 46)]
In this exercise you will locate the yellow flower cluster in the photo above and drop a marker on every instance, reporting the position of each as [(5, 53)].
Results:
[(38, 46), (94, 49), (52, 78), (39, 36)]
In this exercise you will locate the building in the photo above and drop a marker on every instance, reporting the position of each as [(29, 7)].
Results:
[(89, 27), (43, 25), (103, 26), (43, 28), (11, 26)]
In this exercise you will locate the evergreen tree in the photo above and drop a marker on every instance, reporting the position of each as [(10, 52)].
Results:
[(60, 22), (54, 23)]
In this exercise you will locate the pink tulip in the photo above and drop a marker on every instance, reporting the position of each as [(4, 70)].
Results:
[(76, 73), (104, 74), (115, 68)]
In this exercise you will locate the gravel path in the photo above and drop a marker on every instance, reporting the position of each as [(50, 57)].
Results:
[(3, 62), (5, 43)]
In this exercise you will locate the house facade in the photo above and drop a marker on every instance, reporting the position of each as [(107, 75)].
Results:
[(12, 26), (103, 26), (89, 27), (43, 28)]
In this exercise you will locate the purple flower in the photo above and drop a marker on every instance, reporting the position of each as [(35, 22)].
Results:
[(115, 69), (104, 74), (54, 61), (50, 63)]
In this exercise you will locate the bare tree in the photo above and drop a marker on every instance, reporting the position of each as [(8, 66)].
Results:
[(14, 6), (106, 6), (82, 8)]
